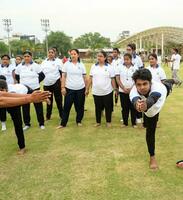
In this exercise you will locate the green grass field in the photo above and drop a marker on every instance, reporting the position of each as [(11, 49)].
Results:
[(87, 163)]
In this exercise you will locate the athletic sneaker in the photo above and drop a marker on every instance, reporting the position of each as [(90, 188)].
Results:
[(138, 121), (42, 127), (79, 124), (3, 126), (26, 128)]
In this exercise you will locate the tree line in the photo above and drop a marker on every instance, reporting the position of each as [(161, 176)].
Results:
[(60, 40)]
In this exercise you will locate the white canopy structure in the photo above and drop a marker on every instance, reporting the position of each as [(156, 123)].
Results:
[(155, 37)]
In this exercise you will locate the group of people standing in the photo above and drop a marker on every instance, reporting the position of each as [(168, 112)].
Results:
[(141, 90)]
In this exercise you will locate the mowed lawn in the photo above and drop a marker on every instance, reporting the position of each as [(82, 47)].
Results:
[(88, 163)]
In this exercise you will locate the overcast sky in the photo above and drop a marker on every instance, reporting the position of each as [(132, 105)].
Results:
[(76, 17)]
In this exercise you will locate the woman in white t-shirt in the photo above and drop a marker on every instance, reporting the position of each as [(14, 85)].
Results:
[(30, 74), (18, 60), (158, 73), (124, 79), (7, 70), (102, 79), (73, 88), (52, 69)]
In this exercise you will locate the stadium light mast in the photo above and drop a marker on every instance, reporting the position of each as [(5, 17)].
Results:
[(45, 23), (8, 29)]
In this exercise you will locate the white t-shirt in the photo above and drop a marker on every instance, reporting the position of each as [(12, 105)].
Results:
[(156, 87), (74, 75), (29, 75), (176, 62), (158, 73), (101, 79), (137, 61), (8, 73), (116, 62), (125, 74), (51, 70), (17, 88)]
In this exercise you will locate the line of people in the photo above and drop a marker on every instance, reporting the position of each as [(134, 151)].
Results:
[(121, 77)]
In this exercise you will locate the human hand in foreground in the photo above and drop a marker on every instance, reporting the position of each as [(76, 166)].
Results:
[(141, 105), (39, 96)]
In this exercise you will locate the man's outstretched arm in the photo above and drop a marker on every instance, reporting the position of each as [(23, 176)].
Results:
[(12, 99)]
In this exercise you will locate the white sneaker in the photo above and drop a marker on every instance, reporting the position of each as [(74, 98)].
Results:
[(138, 121), (3, 126), (26, 128), (42, 127)]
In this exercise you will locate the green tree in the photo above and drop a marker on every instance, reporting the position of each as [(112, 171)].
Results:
[(60, 40), (39, 50), (92, 41), (3, 48), (170, 45), (19, 46)]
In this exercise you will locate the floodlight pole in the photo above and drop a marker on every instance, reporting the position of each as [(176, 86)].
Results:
[(45, 27), (8, 28)]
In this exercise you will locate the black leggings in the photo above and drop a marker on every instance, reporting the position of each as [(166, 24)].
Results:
[(127, 107), (116, 94), (150, 125), (78, 98), (55, 89), (103, 102), (16, 117), (39, 112), (2, 114)]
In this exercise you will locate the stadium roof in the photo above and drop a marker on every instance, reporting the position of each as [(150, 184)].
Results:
[(154, 37)]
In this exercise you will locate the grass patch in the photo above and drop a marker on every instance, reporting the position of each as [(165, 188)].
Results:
[(88, 163)]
